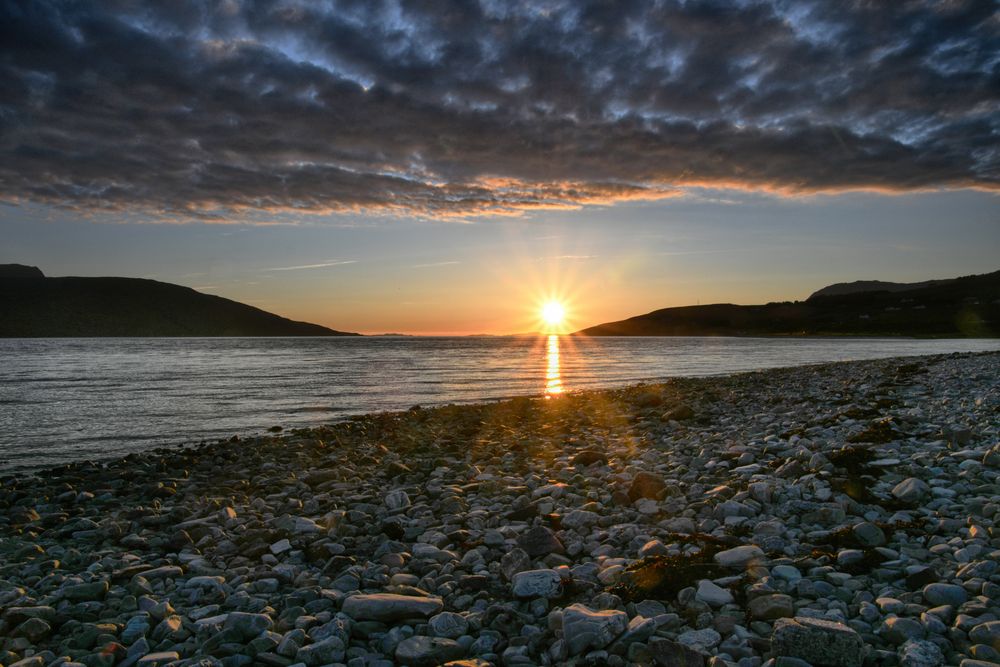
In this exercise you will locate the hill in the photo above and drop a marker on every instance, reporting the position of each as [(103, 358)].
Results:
[(35, 306), (874, 286), (963, 307)]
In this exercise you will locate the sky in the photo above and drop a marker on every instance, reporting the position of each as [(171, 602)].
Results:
[(445, 167)]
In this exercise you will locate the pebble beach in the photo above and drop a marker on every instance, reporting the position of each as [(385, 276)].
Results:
[(836, 515)]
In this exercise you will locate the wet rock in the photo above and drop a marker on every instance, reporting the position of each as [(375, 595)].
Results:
[(944, 594), (986, 633), (819, 642)]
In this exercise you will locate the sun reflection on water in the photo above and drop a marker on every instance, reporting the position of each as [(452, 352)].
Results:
[(553, 379)]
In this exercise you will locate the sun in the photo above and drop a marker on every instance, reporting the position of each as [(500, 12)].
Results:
[(553, 313)]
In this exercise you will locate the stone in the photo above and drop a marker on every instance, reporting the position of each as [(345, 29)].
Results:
[(868, 534), (539, 541), (739, 557), (940, 594), (33, 629), (537, 584), (158, 659), (247, 625), (448, 624), (95, 590), (647, 485), (667, 653), (897, 629), (920, 653), (819, 642), (589, 457), (992, 456), (679, 413), (911, 490), (986, 633), (389, 607), (397, 499), (771, 607), (514, 561), (712, 595), (323, 652), (579, 519), (700, 640), (584, 628), (427, 651)]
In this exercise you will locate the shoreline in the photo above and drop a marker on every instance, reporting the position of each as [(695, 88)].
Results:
[(588, 529)]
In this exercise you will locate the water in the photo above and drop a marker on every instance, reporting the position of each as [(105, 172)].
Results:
[(70, 399)]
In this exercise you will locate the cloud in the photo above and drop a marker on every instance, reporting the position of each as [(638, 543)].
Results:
[(303, 267), (455, 109), (433, 264)]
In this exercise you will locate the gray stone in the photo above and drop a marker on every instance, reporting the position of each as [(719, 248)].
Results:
[(579, 518), (388, 607), (397, 499), (986, 633), (897, 630), (911, 490), (324, 652), (537, 584), (819, 642), (667, 653), (739, 557), (158, 659), (448, 624), (647, 485), (868, 534), (700, 640), (539, 541), (770, 607), (428, 651), (920, 653), (247, 625), (940, 594), (712, 595), (95, 590), (584, 628)]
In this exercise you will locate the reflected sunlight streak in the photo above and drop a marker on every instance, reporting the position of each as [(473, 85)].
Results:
[(553, 379)]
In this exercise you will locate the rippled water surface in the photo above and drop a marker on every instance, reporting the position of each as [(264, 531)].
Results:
[(69, 399)]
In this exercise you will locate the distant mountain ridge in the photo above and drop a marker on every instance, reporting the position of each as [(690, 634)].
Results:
[(874, 286), (34, 306), (959, 307)]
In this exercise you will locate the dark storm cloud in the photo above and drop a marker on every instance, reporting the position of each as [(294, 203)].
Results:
[(455, 108)]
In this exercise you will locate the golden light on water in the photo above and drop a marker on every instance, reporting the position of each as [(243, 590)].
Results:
[(553, 377)]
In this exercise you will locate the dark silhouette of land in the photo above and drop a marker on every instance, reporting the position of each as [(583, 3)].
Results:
[(33, 306), (961, 307)]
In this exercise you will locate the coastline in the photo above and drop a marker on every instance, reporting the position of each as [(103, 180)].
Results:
[(587, 528)]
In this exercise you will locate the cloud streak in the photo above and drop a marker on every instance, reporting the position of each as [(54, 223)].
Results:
[(195, 110), (304, 267)]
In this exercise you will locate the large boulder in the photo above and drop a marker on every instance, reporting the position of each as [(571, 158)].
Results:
[(388, 607), (584, 628), (819, 642)]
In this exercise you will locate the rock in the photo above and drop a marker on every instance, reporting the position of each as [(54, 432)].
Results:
[(897, 629), (539, 541), (986, 633), (95, 590), (667, 653), (397, 499), (941, 594), (324, 652), (448, 624), (158, 659), (739, 557), (647, 485), (579, 518), (584, 628), (514, 561), (33, 629), (819, 642), (537, 584), (920, 653), (770, 607), (911, 490), (700, 640), (712, 595), (247, 625), (679, 412), (427, 651), (992, 457), (589, 457), (868, 534), (389, 607)]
